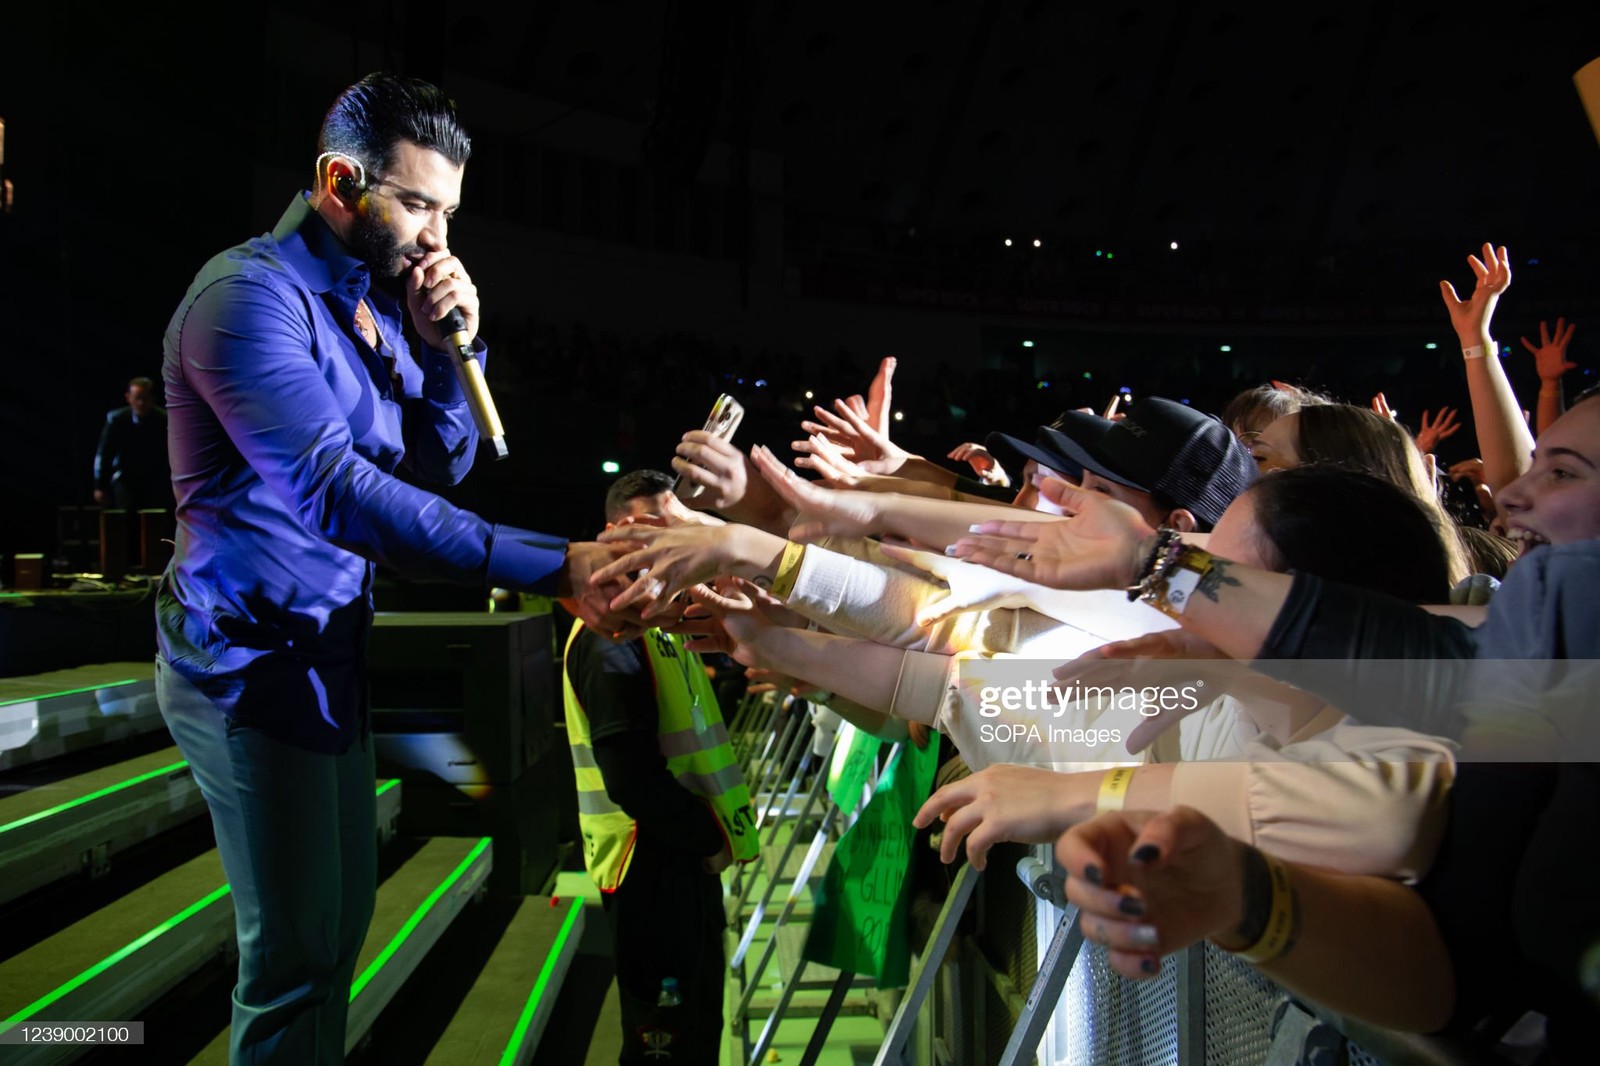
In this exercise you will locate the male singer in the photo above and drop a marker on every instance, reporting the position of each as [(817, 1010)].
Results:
[(293, 395)]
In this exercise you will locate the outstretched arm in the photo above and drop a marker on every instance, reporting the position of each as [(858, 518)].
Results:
[(846, 513), (1503, 437), (1106, 546), (1149, 885)]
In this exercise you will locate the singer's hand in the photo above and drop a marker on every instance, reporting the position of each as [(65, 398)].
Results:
[(435, 285)]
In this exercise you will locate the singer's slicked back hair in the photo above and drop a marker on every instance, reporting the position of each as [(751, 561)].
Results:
[(373, 115)]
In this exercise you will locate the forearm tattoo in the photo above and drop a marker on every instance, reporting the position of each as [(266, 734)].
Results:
[(1212, 580)]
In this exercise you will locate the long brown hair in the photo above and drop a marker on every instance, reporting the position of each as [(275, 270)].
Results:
[(1358, 439)]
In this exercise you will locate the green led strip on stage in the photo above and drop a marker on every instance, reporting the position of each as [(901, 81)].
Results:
[(189, 912), (415, 920), (520, 1033), (111, 960), (70, 692), (91, 797), (386, 786)]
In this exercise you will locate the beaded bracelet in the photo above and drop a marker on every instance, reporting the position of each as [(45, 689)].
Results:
[(1154, 571)]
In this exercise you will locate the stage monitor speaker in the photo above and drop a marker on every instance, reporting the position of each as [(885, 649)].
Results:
[(116, 534), (467, 699), (522, 817), (158, 529)]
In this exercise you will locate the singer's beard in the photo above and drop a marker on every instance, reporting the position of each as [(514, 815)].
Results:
[(375, 245)]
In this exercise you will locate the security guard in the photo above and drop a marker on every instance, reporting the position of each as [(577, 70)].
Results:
[(663, 809)]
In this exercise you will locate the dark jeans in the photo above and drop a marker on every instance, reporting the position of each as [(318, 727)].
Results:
[(667, 921), (297, 832)]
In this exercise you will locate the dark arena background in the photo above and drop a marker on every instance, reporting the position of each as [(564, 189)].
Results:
[(1034, 206)]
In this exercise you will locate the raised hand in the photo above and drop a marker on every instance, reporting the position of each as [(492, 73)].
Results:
[(880, 395), (1550, 356), (1006, 802), (1471, 317), (590, 596), (1151, 884), (982, 462), (434, 286), (828, 461), (1099, 549), (818, 512), (707, 460), (1429, 434), (666, 561), (857, 439), (1380, 406), (1468, 469)]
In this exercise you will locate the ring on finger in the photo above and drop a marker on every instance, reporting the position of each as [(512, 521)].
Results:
[(1025, 557)]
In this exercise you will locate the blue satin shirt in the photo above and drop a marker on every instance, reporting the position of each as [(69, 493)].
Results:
[(285, 429)]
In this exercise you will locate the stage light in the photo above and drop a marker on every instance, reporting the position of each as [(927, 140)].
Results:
[(1008, 242), (1430, 346), (810, 395), (1027, 344), (1098, 253), (1043, 385), (1174, 246), (899, 416), (761, 383), (1111, 255), (1037, 242), (1088, 376), (610, 467), (1227, 348)]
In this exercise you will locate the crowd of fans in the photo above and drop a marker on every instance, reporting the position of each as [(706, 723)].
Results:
[(1419, 857)]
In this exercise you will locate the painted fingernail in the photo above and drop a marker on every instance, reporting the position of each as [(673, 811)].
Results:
[(1144, 936), (1132, 906), (1149, 965), (975, 529), (1091, 874), (1146, 853), (950, 549)]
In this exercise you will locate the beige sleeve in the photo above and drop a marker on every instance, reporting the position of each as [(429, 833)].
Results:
[(860, 592), (924, 682), (1349, 799)]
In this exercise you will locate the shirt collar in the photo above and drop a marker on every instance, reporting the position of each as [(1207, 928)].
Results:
[(309, 246)]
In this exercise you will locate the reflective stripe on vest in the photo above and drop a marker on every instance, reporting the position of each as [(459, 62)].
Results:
[(699, 756)]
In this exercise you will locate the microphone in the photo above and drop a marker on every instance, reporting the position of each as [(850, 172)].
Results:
[(454, 328)]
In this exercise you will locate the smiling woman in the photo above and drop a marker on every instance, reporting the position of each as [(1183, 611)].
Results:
[(1558, 500)]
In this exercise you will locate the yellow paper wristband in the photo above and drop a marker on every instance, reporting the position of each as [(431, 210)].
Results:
[(1114, 789), (788, 569), (1280, 919)]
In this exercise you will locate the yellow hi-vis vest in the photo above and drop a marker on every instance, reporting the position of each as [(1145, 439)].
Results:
[(695, 743)]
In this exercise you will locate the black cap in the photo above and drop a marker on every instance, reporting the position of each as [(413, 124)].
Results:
[(1047, 448), (1168, 449)]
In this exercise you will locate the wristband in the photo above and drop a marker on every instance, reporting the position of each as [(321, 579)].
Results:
[(1279, 929), (1175, 574), (1477, 351), (788, 569), (1114, 789)]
